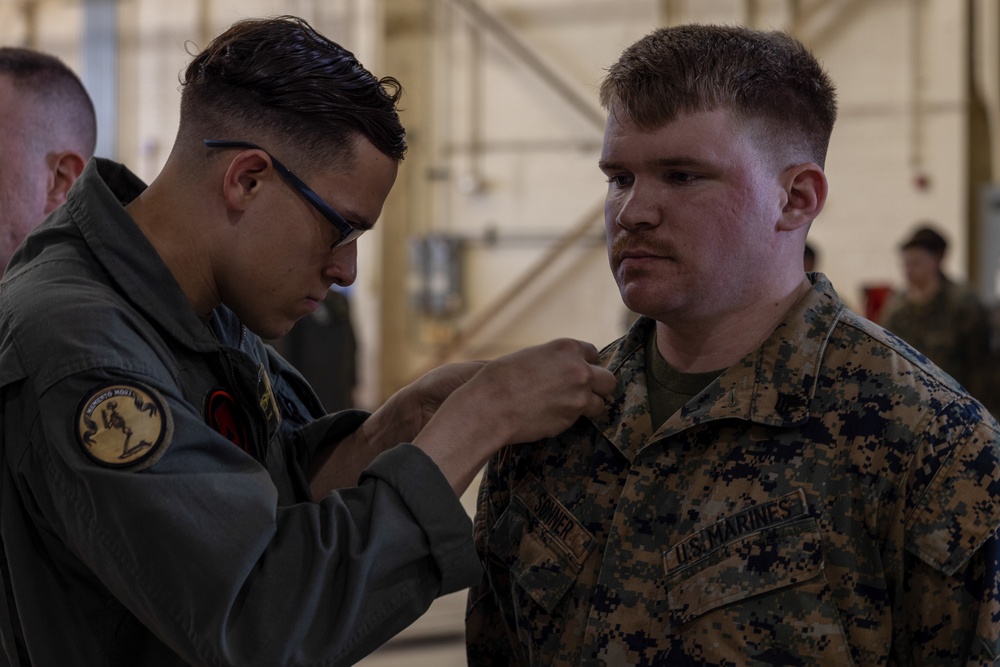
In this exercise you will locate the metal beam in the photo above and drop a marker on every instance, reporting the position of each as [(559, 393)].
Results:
[(505, 35)]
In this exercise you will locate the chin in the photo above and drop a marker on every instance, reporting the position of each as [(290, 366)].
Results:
[(644, 302), (270, 330)]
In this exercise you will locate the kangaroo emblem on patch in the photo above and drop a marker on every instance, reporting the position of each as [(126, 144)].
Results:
[(124, 425)]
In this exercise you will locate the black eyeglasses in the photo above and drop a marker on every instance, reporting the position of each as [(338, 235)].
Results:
[(348, 232)]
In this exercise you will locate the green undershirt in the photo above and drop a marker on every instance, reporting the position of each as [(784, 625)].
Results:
[(669, 389)]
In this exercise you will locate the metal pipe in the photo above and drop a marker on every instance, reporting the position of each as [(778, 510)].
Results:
[(462, 337)]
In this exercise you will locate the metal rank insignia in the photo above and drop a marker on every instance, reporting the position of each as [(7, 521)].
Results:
[(266, 400), (124, 425)]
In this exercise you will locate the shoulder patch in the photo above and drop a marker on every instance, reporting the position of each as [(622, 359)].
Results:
[(124, 425)]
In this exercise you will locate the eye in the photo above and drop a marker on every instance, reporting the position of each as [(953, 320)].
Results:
[(620, 180), (682, 177)]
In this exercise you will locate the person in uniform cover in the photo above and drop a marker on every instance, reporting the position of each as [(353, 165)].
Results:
[(171, 491), (775, 480), (943, 319)]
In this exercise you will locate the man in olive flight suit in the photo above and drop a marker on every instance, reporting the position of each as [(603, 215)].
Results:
[(171, 492), (775, 480)]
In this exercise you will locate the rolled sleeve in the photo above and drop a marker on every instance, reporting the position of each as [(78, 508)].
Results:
[(429, 497)]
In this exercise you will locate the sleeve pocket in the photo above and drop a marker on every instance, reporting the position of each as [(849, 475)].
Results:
[(540, 543), (757, 563)]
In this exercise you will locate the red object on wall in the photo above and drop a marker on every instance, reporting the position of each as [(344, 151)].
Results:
[(876, 297)]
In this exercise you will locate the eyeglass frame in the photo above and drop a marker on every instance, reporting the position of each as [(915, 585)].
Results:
[(348, 232)]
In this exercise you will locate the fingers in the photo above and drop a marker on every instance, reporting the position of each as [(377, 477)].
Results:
[(522, 397), (542, 390), (604, 381)]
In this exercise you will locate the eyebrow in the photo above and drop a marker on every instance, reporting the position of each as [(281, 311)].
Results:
[(672, 162)]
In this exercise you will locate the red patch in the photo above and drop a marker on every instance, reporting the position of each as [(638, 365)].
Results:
[(225, 416)]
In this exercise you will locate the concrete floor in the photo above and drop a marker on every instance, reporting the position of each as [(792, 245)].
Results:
[(436, 639)]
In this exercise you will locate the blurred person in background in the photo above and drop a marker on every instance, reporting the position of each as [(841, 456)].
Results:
[(323, 347), (47, 134), (943, 319)]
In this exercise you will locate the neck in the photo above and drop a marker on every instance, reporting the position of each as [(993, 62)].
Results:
[(174, 227), (700, 346)]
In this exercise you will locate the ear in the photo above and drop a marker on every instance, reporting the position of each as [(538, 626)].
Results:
[(805, 189), (65, 168), (243, 178)]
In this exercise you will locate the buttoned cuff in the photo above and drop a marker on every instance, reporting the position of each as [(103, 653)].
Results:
[(427, 494)]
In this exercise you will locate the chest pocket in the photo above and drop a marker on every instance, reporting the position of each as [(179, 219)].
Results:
[(540, 543), (761, 568), (754, 551)]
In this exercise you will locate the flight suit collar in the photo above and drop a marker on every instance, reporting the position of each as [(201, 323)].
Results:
[(773, 385), (128, 256)]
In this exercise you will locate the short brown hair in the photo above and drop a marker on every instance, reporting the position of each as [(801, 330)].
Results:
[(279, 78), (767, 77)]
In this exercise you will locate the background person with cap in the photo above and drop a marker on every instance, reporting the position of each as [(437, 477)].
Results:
[(942, 319)]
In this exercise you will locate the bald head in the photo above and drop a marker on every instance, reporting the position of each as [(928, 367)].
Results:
[(49, 134)]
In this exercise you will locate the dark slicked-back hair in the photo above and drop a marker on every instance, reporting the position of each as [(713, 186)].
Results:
[(58, 91), (278, 79), (767, 78)]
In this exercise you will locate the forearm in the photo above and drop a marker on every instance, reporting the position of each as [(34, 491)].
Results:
[(459, 455), (339, 465), (464, 433), (459, 449), (461, 414)]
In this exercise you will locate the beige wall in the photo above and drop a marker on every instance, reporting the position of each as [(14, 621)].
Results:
[(497, 152)]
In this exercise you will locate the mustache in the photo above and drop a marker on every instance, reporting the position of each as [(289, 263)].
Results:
[(625, 242)]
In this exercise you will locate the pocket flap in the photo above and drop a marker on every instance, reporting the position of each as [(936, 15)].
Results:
[(779, 547), (540, 542)]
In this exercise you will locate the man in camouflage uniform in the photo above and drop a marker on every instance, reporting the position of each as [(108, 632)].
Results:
[(775, 480), (944, 320)]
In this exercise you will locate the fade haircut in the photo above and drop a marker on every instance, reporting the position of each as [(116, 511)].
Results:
[(61, 99), (279, 79), (767, 79)]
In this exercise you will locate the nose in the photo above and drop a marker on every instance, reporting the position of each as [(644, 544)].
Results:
[(633, 208), (342, 265)]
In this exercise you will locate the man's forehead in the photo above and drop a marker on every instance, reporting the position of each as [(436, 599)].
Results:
[(707, 139), (690, 132)]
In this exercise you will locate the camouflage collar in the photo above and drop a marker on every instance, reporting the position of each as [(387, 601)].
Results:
[(773, 385)]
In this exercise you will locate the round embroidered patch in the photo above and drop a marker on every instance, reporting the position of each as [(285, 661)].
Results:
[(124, 425)]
